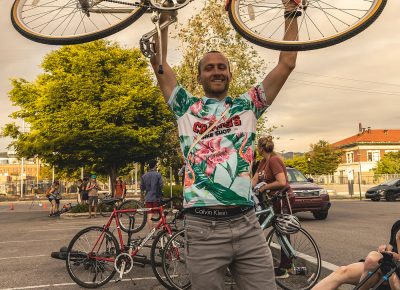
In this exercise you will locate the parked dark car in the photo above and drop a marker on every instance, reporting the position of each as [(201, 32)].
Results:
[(389, 190), (309, 196)]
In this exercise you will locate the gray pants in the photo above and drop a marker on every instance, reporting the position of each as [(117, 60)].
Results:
[(213, 245)]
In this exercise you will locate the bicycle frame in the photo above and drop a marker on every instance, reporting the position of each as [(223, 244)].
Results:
[(283, 240), (161, 224)]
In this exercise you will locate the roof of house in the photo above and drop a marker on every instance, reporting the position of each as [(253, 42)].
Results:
[(371, 136)]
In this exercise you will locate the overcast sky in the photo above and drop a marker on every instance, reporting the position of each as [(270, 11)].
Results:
[(330, 92)]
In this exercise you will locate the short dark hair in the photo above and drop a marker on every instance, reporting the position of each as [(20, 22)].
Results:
[(211, 51), (152, 163), (393, 232)]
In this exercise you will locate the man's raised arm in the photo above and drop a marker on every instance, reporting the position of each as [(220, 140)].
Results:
[(287, 61), (167, 80)]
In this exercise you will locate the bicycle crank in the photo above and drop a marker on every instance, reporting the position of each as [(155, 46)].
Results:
[(123, 264)]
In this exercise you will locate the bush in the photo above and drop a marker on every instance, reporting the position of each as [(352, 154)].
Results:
[(80, 208), (177, 191)]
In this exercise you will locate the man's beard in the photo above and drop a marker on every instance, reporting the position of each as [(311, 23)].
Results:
[(210, 92)]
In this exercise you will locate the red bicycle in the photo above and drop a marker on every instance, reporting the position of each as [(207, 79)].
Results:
[(95, 254)]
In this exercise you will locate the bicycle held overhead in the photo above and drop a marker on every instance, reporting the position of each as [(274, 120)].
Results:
[(321, 23)]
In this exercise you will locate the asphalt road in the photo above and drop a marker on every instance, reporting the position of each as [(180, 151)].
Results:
[(28, 236)]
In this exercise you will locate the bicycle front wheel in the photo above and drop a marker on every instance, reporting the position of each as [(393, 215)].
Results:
[(72, 21), (321, 24), (140, 218), (174, 262), (304, 268), (90, 257), (157, 249)]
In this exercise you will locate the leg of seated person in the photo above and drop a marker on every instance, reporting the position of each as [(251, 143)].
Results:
[(394, 282), (349, 274), (370, 264)]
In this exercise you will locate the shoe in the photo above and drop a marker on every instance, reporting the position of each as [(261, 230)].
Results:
[(281, 273)]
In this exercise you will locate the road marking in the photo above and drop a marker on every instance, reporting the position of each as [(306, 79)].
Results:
[(23, 257), (24, 241), (72, 284)]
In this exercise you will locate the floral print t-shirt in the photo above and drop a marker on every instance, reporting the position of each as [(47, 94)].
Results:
[(218, 166)]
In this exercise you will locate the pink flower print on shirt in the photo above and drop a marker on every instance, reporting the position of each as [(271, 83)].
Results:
[(248, 154), (256, 96), (212, 152), (196, 107)]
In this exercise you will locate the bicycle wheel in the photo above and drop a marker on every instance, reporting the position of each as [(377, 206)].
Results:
[(157, 249), (72, 21), (322, 23), (173, 261), (106, 209), (140, 217), (306, 264), (85, 263)]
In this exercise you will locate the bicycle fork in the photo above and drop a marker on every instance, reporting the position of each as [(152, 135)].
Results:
[(147, 46)]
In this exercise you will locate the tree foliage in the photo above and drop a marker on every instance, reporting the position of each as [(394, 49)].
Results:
[(324, 159), (389, 164), (300, 163), (95, 104)]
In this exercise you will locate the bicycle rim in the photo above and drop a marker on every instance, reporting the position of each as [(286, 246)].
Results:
[(322, 23), (157, 249), (84, 269), (69, 22), (140, 217), (173, 261), (307, 258)]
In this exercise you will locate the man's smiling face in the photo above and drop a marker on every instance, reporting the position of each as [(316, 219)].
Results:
[(214, 75)]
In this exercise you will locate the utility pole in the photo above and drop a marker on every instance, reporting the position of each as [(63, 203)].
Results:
[(22, 163)]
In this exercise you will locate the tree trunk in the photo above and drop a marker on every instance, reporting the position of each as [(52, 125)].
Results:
[(141, 173), (113, 176)]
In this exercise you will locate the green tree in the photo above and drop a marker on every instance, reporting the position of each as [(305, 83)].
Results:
[(300, 163), (324, 159), (95, 105), (389, 164)]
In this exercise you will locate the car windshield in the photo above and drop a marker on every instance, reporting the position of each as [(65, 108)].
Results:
[(390, 182), (296, 176)]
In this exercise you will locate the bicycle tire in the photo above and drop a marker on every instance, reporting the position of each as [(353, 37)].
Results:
[(77, 257), (174, 251), (307, 256), (156, 251), (241, 24), (140, 217), (105, 209), (27, 23)]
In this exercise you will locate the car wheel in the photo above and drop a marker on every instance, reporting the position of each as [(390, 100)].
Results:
[(390, 196), (376, 199), (320, 215)]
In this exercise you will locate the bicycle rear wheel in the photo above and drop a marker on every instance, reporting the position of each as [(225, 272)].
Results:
[(72, 21), (173, 261), (140, 217), (305, 265), (86, 263), (106, 209), (322, 23)]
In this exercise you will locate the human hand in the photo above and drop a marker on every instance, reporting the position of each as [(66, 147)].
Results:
[(291, 6)]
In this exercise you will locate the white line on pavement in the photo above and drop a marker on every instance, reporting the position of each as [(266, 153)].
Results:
[(72, 284), (23, 257)]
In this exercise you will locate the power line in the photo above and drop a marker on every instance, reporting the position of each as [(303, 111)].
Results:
[(347, 79), (340, 87)]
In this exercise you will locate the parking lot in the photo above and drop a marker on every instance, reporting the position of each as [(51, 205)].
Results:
[(28, 236)]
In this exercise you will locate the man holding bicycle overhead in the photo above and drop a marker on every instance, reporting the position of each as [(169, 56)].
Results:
[(217, 139)]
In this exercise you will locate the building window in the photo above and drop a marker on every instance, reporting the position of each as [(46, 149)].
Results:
[(349, 157), (373, 156)]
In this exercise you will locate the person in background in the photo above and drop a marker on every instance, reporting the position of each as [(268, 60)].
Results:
[(151, 185), (120, 188), (54, 197), (85, 195), (272, 171), (93, 193)]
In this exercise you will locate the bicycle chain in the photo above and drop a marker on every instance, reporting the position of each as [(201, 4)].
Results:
[(126, 3)]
